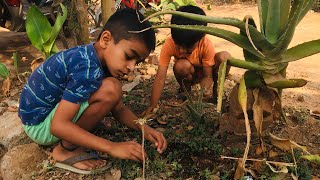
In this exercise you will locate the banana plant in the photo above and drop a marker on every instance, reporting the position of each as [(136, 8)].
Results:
[(40, 32), (266, 51)]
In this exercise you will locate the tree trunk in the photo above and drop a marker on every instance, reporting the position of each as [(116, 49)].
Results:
[(107, 8), (82, 34)]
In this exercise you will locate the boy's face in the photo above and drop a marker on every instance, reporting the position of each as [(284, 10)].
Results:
[(183, 51), (122, 57)]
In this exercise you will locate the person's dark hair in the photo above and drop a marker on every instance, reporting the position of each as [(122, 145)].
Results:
[(187, 38), (125, 20)]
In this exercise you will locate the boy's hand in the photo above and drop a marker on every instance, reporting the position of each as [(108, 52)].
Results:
[(155, 137), (150, 111), (127, 150)]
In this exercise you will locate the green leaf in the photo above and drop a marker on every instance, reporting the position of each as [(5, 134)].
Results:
[(246, 65), (312, 158), (247, 55), (221, 79), (257, 37), (263, 11), (272, 26), (288, 83), (284, 14), (38, 27), (283, 42), (252, 79), (227, 35), (4, 72), (56, 29), (301, 51), (186, 2), (242, 96)]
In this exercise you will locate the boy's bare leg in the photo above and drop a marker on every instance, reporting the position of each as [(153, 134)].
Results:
[(219, 58), (100, 103), (183, 71)]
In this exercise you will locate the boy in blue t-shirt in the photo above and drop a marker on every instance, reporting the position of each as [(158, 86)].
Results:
[(71, 92)]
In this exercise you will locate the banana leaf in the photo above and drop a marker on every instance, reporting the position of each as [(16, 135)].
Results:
[(55, 30), (4, 72), (38, 27)]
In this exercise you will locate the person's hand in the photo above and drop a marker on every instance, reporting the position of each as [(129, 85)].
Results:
[(150, 111), (156, 138), (127, 150)]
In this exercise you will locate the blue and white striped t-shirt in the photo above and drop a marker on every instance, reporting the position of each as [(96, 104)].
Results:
[(72, 75)]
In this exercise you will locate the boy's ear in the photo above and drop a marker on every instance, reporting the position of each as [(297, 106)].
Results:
[(105, 39)]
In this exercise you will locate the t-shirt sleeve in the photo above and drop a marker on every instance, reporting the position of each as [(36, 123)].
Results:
[(167, 51), (208, 53), (83, 80)]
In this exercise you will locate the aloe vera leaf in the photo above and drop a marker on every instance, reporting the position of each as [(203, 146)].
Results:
[(227, 35), (56, 29), (284, 14), (301, 51), (283, 42), (257, 36), (272, 26), (221, 79), (253, 79), (246, 65), (288, 83), (306, 8), (247, 55), (242, 98), (263, 11)]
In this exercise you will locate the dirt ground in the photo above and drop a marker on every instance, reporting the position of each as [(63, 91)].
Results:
[(306, 98)]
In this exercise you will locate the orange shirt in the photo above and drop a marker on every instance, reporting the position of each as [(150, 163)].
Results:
[(202, 55)]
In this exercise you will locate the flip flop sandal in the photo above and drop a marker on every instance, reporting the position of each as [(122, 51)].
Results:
[(67, 164)]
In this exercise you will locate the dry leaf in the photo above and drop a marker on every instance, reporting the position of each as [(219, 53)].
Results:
[(273, 154), (239, 171), (116, 174), (160, 121), (259, 166), (131, 77), (6, 87), (278, 168), (189, 128), (285, 144), (312, 158), (35, 63), (12, 109)]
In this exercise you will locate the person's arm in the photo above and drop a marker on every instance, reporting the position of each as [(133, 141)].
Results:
[(127, 117), (158, 85), (63, 128), (206, 81)]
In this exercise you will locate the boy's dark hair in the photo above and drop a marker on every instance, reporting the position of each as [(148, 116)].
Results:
[(187, 38), (125, 20)]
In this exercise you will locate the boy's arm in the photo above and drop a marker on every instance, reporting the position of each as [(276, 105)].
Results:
[(63, 127), (206, 81), (127, 117), (158, 85)]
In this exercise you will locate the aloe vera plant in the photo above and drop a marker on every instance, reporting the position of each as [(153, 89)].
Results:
[(266, 52)]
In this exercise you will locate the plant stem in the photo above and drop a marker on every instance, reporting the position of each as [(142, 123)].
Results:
[(144, 161), (259, 160)]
